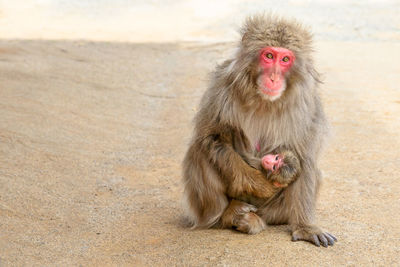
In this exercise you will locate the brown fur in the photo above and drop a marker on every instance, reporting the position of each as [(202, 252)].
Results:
[(233, 108)]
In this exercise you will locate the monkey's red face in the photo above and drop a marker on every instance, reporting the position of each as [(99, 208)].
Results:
[(274, 63)]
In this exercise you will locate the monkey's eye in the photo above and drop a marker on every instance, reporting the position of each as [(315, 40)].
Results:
[(274, 167), (269, 56), (277, 157), (285, 59)]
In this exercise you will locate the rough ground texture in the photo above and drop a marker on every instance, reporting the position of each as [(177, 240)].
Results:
[(92, 136)]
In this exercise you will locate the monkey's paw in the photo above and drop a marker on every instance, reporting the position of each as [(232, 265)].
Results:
[(249, 223), (244, 208), (314, 235)]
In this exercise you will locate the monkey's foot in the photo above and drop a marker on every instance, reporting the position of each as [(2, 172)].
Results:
[(314, 235), (240, 215), (235, 210), (249, 223)]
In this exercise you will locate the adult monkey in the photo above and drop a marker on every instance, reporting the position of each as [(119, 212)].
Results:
[(263, 99)]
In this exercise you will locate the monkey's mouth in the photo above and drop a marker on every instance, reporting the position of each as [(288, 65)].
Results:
[(272, 89), (271, 92)]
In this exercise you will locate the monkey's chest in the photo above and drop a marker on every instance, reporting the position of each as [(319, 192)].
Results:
[(265, 134)]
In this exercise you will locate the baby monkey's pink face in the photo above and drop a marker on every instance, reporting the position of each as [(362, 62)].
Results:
[(272, 162), (274, 63)]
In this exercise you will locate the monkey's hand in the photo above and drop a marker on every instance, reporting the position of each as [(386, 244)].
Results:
[(251, 182), (283, 168), (313, 234)]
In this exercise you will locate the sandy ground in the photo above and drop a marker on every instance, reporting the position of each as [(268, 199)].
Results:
[(92, 136)]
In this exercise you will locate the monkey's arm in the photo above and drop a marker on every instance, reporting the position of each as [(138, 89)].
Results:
[(240, 177), (304, 189), (301, 220)]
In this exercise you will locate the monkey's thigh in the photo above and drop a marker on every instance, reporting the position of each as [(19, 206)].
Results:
[(241, 216), (275, 211), (204, 195)]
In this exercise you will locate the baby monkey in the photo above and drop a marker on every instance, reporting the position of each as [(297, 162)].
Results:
[(280, 168)]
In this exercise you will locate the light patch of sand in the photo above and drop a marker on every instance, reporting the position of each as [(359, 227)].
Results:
[(92, 137)]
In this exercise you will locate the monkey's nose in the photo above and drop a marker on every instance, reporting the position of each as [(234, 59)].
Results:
[(274, 77)]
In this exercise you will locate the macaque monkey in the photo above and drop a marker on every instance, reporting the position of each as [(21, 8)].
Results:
[(262, 102)]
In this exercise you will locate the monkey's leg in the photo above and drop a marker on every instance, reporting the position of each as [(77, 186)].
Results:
[(296, 206), (242, 217), (302, 219), (204, 194)]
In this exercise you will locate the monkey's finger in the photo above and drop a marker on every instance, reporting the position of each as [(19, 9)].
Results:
[(331, 241), (315, 240), (332, 236), (252, 209), (248, 208), (296, 237), (323, 240)]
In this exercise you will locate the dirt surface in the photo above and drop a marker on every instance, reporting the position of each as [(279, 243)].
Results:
[(92, 136)]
